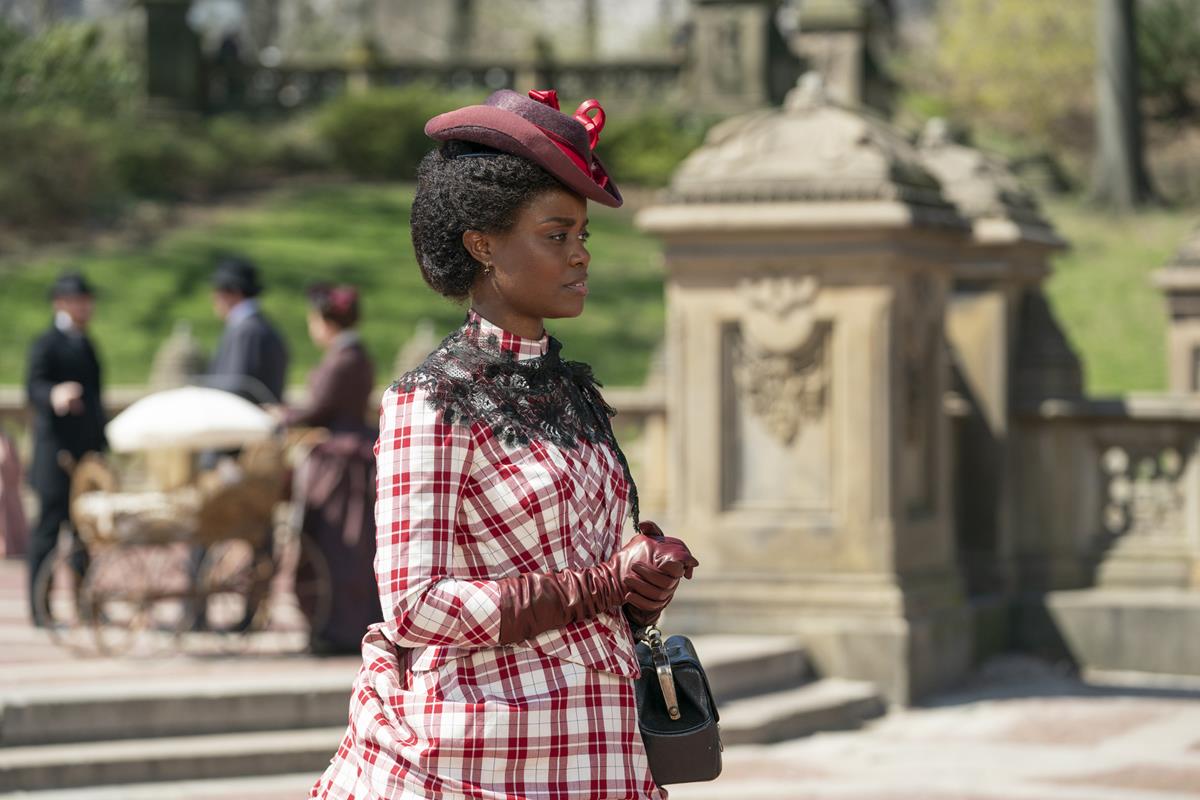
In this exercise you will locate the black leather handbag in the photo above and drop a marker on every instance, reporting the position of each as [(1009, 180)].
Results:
[(676, 711)]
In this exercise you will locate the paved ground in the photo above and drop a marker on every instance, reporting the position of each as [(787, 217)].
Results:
[(1019, 731)]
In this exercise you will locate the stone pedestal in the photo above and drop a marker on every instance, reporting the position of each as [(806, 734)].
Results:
[(737, 58), (1180, 283), (174, 65), (1002, 338), (809, 258)]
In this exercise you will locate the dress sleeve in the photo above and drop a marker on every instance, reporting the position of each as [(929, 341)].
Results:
[(423, 465)]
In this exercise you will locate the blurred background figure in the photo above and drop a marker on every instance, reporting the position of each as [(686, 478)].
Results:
[(14, 530), (338, 477), (63, 388), (252, 358), (251, 361)]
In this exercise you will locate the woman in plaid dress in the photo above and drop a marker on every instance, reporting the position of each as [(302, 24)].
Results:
[(504, 666)]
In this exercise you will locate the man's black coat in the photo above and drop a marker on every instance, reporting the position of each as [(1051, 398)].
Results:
[(57, 357), (251, 348)]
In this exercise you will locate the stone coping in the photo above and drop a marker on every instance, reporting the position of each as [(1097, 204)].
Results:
[(1158, 407)]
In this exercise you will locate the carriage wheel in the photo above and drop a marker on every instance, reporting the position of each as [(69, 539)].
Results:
[(167, 598), (59, 582), (111, 602), (303, 593), (138, 599), (231, 577)]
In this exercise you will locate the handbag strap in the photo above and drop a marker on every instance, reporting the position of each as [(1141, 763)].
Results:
[(652, 637)]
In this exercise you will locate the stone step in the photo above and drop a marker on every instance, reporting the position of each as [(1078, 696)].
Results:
[(740, 666), (276, 695), (829, 704), (288, 786), (823, 705), (179, 758), (184, 705)]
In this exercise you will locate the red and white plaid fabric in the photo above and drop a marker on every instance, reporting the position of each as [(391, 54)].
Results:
[(438, 709)]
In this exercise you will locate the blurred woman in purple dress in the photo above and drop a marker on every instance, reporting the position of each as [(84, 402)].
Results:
[(338, 477)]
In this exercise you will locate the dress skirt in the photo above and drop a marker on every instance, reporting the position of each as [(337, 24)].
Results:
[(496, 724)]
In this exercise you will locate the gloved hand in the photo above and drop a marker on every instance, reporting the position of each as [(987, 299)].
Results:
[(658, 584), (643, 574)]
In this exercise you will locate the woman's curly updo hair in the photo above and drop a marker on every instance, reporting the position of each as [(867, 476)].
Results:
[(336, 304), (460, 187)]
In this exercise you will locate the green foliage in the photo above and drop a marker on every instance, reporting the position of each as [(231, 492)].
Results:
[(54, 171), (646, 148), (1169, 55), (173, 159), (164, 162), (1022, 68), (380, 134), (68, 66), (356, 233), (1102, 292)]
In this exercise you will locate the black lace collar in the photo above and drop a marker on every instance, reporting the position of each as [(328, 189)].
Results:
[(480, 373)]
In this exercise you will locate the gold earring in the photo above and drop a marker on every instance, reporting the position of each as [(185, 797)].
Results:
[(487, 268)]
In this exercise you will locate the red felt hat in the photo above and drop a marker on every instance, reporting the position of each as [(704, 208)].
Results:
[(534, 128)]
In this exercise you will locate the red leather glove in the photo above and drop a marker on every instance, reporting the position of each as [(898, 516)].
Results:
[(658, 582), (642, 574)]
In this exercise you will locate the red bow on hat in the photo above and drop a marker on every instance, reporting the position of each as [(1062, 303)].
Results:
[(592, 123)]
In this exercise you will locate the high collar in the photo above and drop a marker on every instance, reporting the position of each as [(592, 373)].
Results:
[(243, 310), (492, 338), (63, 321), (346, 338)]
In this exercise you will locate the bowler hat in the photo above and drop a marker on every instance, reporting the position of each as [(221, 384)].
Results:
[(534, 128), (71, 284), (236, 274)]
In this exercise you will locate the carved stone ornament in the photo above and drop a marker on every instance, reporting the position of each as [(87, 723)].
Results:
[(780, 367), (1145, 493)]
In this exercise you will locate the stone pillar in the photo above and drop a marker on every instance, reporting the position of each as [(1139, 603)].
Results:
[(413, 352), (179, 359), (737, 58), (174, 64), (809, 258), (847, 41), (1006, 350), (1180, 282)]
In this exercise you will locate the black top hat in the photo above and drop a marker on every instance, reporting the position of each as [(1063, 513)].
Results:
[(71, 284), (236, 274)]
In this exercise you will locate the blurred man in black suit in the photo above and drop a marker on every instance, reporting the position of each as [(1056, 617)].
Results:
[(252, 358), (63, 387)]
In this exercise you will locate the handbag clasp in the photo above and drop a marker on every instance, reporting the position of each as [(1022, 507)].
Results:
[(662, 665)]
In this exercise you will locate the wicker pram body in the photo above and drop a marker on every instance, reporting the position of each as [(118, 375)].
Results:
[(235, 501)]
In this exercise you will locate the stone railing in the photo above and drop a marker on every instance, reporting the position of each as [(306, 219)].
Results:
[(1107, 492)]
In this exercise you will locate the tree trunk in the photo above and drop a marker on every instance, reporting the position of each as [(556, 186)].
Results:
[(463, 28), (591, 28), (1120, 180)]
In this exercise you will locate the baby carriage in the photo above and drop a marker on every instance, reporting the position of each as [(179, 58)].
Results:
[(208, 558)]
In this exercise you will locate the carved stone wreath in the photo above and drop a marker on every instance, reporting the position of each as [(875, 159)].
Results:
[(780, 367), (784, 391)]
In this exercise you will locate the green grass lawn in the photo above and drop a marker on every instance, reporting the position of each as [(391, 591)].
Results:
[(1101, 291), (359, 233), (356, 233)]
